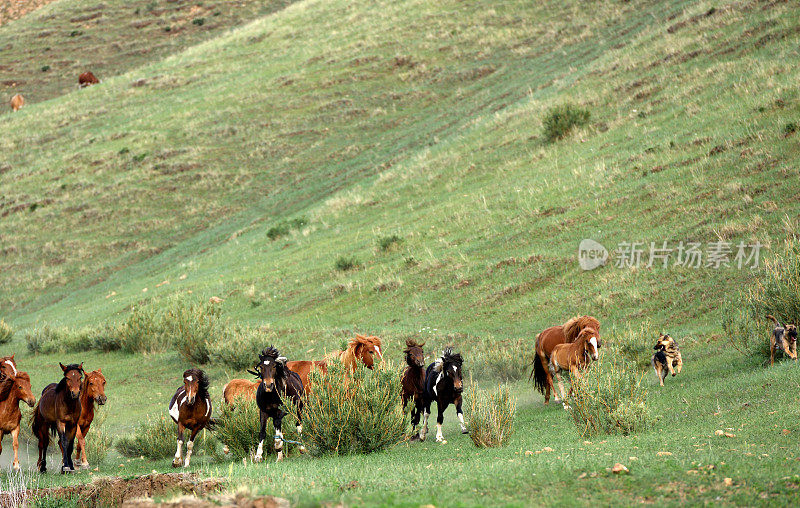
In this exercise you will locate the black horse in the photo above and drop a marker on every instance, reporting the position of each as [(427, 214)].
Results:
[(276, 381), (443, 384)]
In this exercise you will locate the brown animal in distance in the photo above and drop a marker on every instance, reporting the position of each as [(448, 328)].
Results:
[(87, 79), (13, 390), (574, 357), (783, 338), (93, 391), (17, 102)]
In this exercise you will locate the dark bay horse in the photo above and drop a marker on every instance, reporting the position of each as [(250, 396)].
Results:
[(574, 357), (58, 412), (275, 381), (443, 384), (547, 340), (13, 390), (93, 391), (190, 408), (413, 380)]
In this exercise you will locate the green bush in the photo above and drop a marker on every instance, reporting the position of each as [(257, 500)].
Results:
[(190, 327), (238, 426), (560, 120), (141, 331), (344, 263), (6, 332), (156, 438), (282, 228), (634, 344), (353, 413), (490, 415), (98, 440), (239, 347), (386, 243), (46, 340), (491, 358), (610, 398)]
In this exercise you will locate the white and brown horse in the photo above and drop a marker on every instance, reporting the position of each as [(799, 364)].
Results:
[(574, 357), (190, 408)]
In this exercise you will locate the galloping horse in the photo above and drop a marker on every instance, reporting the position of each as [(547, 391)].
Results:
[(94, 390), (413, 380), (190, 408), (361, 348), (276, 381), (14, 389), (8, 367), (443, 384), (58, 411), (547, 340), (574, 357)]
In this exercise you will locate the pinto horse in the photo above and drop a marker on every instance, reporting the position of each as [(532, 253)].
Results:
[(93, 391), (413, 380), (547, 340), (13, 390), (276, 381), (190, 408), (574, 357), (58, 412), (443, 384)]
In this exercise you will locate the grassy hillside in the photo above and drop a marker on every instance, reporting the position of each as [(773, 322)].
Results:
[(424, 120)]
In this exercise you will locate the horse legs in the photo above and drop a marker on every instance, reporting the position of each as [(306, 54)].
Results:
[(277, 420), (262, 434), (15, 444), (66, 436), (178, 460), (548, 385), (80, 448), (440, 406), (44, 439), (461, 416), (426, 411), (299, 428), (190, 446)]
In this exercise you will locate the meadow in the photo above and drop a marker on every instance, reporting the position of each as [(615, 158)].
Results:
[(329, 168)]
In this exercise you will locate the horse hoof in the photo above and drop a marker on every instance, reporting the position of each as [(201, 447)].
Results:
[(303, 449), (414, 439), (465, 431), (226, 450), (442, 441), (177, 463), (65, 470), (84, 465), (257, 459)]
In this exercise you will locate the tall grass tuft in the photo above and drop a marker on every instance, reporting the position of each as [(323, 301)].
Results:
[(98, 441), (156, 438), (610, 398), (634, 343), (190, 327), (560, 120), (238, 426), (490, 415), (6, 332), (353, 413), (141, 331)]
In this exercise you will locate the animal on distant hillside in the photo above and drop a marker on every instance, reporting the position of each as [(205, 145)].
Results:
[(237, 388), (443, 385), (17, 102), (93, 391), (13, 390), (574, 357), (547, 340), (190, 408), (413, 380), (8, 367), (87, 79), (667, 358), (276, 381), (783, 338), (58, 412)]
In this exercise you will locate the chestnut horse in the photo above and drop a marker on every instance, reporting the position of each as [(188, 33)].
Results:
[(8, 367), (413, 380), (190, 408), (574, 357), (58, 411), (93, 391), (14, 389), (547, 340)]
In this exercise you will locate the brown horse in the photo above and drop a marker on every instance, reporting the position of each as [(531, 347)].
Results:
[(413, 380), (304, 367), (190, 408), (574, 357), (94, 390), (14, 389), (361, 348), (58, 411), (8, 367), (547, 340), (239, 388)]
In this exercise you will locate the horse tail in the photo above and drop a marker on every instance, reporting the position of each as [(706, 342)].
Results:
[(38, 421), (538, 374)]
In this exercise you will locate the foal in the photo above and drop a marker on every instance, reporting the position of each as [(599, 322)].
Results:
[(573, 357), (276, 381), (12, 391), (94, 391), (414, 379), (443, 384), (58, 411), (190, 408)]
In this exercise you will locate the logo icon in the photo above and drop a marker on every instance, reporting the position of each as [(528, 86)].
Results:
[(591, 254)]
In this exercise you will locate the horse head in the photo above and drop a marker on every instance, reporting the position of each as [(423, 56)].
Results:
[(8, 367), (96, 386), (415, 356), (449, 367), (588, 337), (271, 368), (73, 378), (22, 387), (195, 382), (366, 349)]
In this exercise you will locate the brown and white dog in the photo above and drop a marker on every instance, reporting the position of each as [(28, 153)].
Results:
[(783, 338), (667, 358)]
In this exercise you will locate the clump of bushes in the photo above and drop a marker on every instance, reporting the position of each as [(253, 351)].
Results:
[(490, 415), (141, 331), (610, 398), (156, 438), (345, 263), (238, 347), (99, 441), (6, 332), (790, 128), (560, 120), (282, 228), (237, 428), (191, 327), (493, 358), (353, 413), (634, 344), (199, 21), (387, 243)]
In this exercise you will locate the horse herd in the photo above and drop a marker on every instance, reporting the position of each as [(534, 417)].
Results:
[(66, 408), (84, 80)]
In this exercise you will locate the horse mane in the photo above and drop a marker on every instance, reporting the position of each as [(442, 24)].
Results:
[(62, 385), (5, 387), (448, 358), (202, 385), (271, 353), (574, 326)]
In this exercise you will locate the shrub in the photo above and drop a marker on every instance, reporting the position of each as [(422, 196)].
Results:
[(344, 264), (45, 68), (353, 413), (47, 340), (98, 441), (238, 427), (199, 21), (6, 332), (560, 120), (156, 438), (790, 128), (634, 344), (282, 228), (190, 327), (490, 415), (141, 332), (388, 242), (609, 398), (238, 349)]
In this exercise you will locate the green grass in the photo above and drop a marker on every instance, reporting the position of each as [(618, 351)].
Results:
[(375, 119)]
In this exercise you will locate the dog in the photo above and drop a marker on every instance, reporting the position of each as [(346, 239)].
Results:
[(667, 358), (783, 338)]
